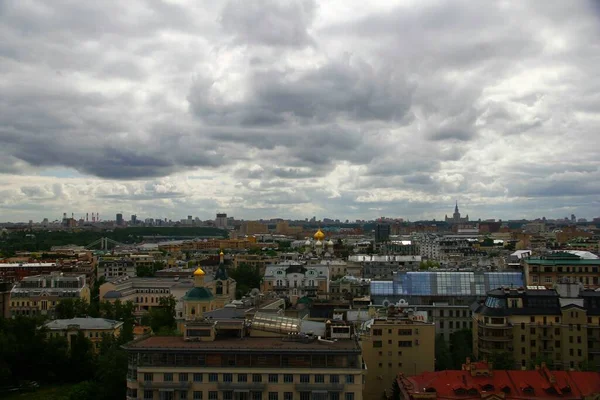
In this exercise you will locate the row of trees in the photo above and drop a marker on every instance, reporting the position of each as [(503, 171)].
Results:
[(246, 278)]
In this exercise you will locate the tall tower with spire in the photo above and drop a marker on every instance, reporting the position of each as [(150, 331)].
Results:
[(456, 218)]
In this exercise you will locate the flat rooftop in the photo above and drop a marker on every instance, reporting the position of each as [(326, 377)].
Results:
[(248, 343)]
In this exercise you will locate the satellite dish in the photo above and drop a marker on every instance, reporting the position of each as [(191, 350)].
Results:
[(386, 303)]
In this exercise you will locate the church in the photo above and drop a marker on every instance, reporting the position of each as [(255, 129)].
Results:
[(208, 295), (456, 218)]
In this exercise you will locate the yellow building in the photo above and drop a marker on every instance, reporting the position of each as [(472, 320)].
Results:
[(39, 294), (562, 267), (267, 357), (400, 342), (253, 228), (92, 328), (535, 323)]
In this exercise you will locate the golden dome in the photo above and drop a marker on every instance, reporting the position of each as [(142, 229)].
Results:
[(199, 272), (221, 253), (319, 235)]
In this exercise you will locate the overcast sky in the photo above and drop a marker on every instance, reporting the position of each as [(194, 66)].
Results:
[(294, 108)]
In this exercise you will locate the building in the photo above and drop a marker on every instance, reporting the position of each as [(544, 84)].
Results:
[(348, 288), (401, 341), (39, 295), (384, 266), (534, 322), (267, 357), (5, 288), (255, 260), (477, 380), (113, 267), (296, 280), (446, 296), (92, 328), (560, 267), (14, 272), (456, 218), (447, 249), (382, 233), (253, 228), (120, 220), (221, 221)]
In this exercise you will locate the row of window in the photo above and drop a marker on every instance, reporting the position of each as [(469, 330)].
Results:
[(465, 324), (256, 378), (228, 395), (400, 332)]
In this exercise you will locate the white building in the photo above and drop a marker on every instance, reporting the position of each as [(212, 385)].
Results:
[(296, 280)]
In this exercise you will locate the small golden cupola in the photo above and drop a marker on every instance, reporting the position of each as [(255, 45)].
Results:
[(319, 235)]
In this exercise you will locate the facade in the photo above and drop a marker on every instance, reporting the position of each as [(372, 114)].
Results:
[(254, 260), (349, 288), (253, 228), (534, 322), (561, 267), (112, 267), (296, 280), (477, 380), (456, 218), (447, 249), (5, 299), (382, 232), (92, 328), (399, 342), (274, 360), (39, 295), (221, 221), (384, 267), (14, 272)]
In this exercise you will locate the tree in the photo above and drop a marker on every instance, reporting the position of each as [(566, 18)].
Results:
[(149, 271), (246, 277), (163, 316), (541, 359), (502, 360), (461, 347), (71, 308), (425, 265), (443, 357)]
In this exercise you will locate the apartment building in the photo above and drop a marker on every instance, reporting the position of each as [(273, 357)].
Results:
[(39, 295), (384, 266), (477, 380), (269, 358), (402, 341), (14, 272), (348, 288), (562, 267), (113, 267), (92, 328), (535, 322)]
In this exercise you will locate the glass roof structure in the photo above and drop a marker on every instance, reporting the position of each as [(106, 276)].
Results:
[(426, 283), (275, 323)]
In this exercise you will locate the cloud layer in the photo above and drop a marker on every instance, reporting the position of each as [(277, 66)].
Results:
[(297, 108)]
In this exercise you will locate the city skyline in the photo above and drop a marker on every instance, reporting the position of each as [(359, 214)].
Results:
[(297, 108)]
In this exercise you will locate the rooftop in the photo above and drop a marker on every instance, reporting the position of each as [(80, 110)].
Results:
[(83, 323), (262, 344)]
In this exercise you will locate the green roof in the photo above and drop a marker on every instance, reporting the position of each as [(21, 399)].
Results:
[(198, 293), (563, 261)]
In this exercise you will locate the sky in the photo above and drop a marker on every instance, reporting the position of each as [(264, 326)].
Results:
[(298, 108)]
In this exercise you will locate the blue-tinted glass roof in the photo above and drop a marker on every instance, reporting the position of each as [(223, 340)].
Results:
[(426, 283)]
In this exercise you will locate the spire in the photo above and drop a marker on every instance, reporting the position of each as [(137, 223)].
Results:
[(456, 208)]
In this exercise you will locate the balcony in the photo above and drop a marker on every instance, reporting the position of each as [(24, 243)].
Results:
[(166, 385), (482, 324), (253, 386), (546, 336), (309, 387), (490, 338), (548, 350)]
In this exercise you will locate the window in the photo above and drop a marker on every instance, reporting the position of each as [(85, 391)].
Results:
[(256, 378), (197, 377), (349, 378), (183, 377), (319, 378), (405, 343), (212, 377), (377, 343), (148, 377), (404, 332), (213, 395), (334, 379), (182, 395), (273, 378), (197, 395), (227, 377), (288, 378), (273, 396), (304, 378), (305, 395), (256, 395), (148, 394), (288, 396), (242, 378), (168, 377), (349, 396)]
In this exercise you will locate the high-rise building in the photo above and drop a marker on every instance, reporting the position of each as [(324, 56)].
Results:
[(382, 232), (133, 219), (120, 219), (221, 221), (253, 228)]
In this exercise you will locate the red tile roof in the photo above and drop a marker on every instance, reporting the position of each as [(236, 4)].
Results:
[(510, 385)]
